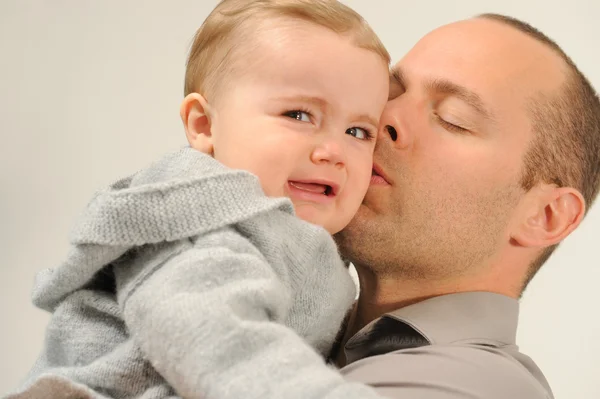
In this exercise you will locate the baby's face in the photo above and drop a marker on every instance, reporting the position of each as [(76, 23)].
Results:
[(304, 118)]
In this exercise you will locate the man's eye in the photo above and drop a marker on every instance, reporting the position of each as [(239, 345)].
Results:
[(450, 126), (359, 133), (298, 115)]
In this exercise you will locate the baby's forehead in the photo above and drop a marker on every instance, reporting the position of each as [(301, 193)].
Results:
[(287, 53), (236, 36), (324, 73), (274, 38)]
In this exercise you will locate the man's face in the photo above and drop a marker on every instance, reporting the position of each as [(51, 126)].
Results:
[(451, 178)]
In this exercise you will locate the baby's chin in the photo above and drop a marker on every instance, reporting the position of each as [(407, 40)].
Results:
[(333, 224)]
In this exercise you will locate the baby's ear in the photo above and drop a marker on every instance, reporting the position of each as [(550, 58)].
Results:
[(196, 116)]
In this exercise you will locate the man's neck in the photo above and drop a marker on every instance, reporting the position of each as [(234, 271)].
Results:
[(379, 296)]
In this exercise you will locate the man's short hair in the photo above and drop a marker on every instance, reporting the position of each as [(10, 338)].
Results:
[(565, 149), (227, 33)]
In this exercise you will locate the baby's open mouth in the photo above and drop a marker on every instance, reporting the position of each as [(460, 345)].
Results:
[(316, 188)]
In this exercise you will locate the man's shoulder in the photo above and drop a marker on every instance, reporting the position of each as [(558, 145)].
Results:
[(453, 371)]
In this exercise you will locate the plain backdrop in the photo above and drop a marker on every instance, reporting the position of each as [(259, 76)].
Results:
[(90, 91)]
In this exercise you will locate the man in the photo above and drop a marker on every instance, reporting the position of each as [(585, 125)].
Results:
[(490, 156)]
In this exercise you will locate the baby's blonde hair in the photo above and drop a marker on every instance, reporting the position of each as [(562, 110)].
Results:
[(230, 26)]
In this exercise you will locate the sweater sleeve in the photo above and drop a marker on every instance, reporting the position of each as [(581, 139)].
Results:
[(211, 320)]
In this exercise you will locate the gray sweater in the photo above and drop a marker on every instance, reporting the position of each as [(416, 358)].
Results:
[(184, 280)]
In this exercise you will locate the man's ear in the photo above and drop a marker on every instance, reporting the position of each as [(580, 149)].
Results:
[(550, 215), (197, 119)]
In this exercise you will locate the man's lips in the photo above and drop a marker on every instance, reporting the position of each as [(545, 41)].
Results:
[(378, 177)]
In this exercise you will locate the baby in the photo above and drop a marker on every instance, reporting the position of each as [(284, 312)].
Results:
[(185, 279)]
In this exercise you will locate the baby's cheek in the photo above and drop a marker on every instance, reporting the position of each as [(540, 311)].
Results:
[(270, 189), (355, 190), (352, 203), (362, 180), (273, 183)]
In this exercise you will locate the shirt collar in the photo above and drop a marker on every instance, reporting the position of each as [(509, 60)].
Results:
[(484, 317)]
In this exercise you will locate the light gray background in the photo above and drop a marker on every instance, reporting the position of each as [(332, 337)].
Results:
[(90, 90)]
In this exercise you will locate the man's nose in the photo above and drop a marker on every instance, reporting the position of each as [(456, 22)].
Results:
[(392, 132), (393, 128)]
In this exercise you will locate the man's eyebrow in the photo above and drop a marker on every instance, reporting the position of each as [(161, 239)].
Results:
[(442, 86), (397, 78)]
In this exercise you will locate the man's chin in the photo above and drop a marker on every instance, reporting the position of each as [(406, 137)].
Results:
[(364, 212)]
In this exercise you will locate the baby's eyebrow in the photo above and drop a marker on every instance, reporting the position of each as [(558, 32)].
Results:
[(316, 101), (366, 118)]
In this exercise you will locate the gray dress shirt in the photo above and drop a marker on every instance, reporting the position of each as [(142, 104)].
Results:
[(447, 347)]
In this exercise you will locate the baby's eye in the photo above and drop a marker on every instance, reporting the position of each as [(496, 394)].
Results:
[(298, 115), (359, 133)]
